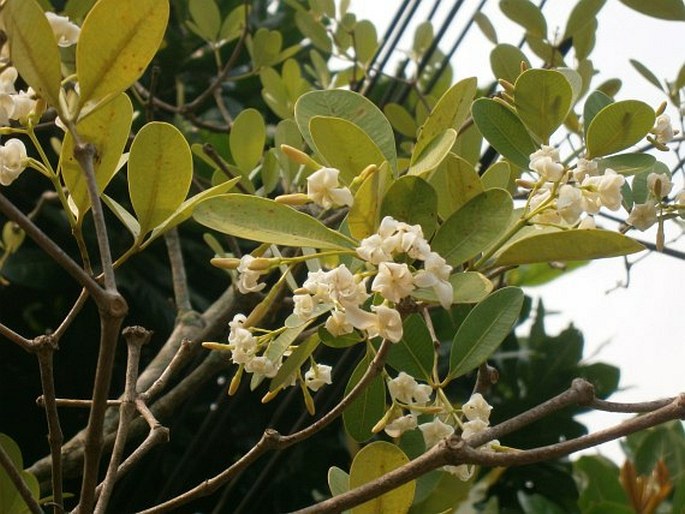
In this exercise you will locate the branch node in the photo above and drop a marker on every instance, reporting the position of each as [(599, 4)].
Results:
[(585, 390)]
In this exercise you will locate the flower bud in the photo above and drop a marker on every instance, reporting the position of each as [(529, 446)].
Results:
[(293, 199), (225, 262), (299, 157)]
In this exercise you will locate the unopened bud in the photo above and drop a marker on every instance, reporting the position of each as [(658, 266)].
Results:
[(270, 395), (526, 184), (225, 262), (365, 173), (263, 263), (235, 382), (293, 199), (299, 157), (660, 110), (523, 66), (506, 85)]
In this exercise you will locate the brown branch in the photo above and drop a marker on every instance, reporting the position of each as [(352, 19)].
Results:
[(178, 271), (178, 361), (638, 407), (15, 476), (46, 348), (272, 440), (25, 344), (70, 402), (71, 316), (135, 337)]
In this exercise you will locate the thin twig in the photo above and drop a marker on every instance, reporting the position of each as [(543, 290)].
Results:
[(135, 337), (638, 407), (70, 402), (71, 316), (10, 334), (178, 271), (179, 360), (46, 349), (15, 476)]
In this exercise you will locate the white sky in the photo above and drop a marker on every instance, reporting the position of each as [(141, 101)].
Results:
[(640, 329)]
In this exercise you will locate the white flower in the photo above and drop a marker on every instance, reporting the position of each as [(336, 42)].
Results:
[(547, 215), (399, 426), (372, 249), (404, 238), (663, 130), (24, 105), (585, 168), (435, 431), (13, 160), (388, 324), (243, 342), (7, 78), (262, 365), (680, 197), (463, 472), (324, 189), (304, 305), (248, 280), (665, 184), (394, 281), (587, 223), (345, 288), (643, 216), (6, 109), (477, 408), (545, 162), (407, 390), (570, 203), (338, 325), (609, 189), (473, 427), (66, 33), (318, 285), (317, 376), (436, 274)]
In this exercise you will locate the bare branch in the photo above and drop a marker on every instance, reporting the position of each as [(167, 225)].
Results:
[(178, 271), (26, 344), (15, 476)]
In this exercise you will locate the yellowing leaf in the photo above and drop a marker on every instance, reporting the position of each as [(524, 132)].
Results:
[(118, 40), (247, 138), (33, 48), (365, 213), (107, 128), (374, 461), (426, 158), (160, 168), (456, 182), (344, 146), (263, 220)]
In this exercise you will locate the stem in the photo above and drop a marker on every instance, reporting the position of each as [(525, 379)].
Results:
[(47, 346), (10, 334), (178, 271), (15, 476)]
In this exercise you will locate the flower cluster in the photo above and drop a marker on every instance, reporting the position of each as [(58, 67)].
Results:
[(563, 197), (17, 106), (644, 215)]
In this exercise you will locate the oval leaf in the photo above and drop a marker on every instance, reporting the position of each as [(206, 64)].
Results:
[(473, 227), (456, 182), (505, 61), (352, 107), (365, 213), (618, 126), (568, 245), (160, 168), (246, 139), (414, 201), (414, 354), (503, 130), (627, 163), (263, 220), (433, 153), (107, 128), (526, 14), (664, 9), (543, 100), (484, 329), (373, 461), (344, 146), (368, 408), (468, 287), (582, 14), (118, 40), (33, 48)]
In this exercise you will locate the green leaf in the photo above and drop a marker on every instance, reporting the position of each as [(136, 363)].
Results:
[(187, 208), (505, 61), (374, 461), (118, 40), (365, 41), (344, 145), (595, 102), (352, 107), (246, 139), (468, 144), (618, 126), (473, 227), (423, 37), (432, 154), (456, 182), (160, 168), (294, 361), (627, 163), (665, 442), (584, 40), (449, 113), (263, 220), (526, 14), (543, 100), (77, 9), (368, 408), (414, 201), (365, 213), (497, 176), (107, 128), (610, 87), (265, 48), (400, 119), (34, 51), (504, 131), (567, 245), (646, 73), (314, 30), (680, 80), (467, 287), (484, 329), (414, 353), (583, 13), (206, 17), (537, 274), (126, 218), (234, 24), (485, 26), (275, 93), (598, 482), (673, 10), (11, 501), (338, 481)]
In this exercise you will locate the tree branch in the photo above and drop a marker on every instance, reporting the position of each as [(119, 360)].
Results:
[(15, 476)]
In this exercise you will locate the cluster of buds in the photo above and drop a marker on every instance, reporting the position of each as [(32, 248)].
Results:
[(644, 215)]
